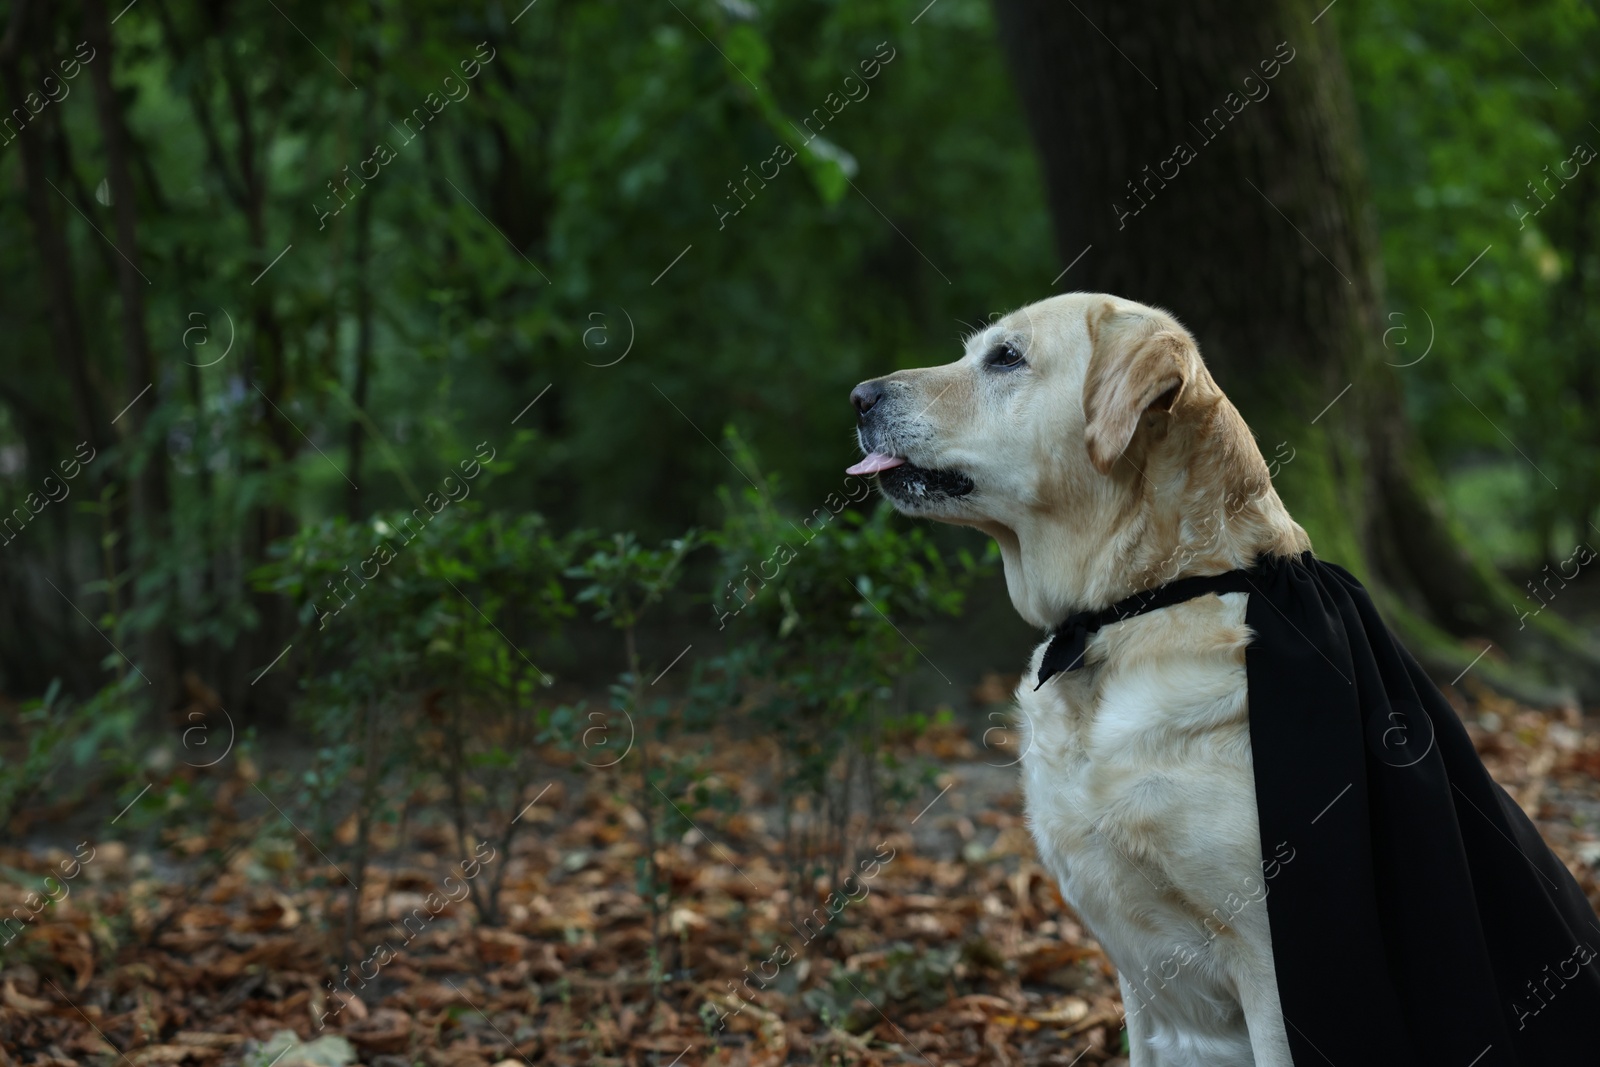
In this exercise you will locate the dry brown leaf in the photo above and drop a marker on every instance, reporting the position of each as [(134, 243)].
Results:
[(983, 1002), (187, 941), (354, 1005), (457, 1056), (21, 1002), (384, 1031), (500, 946), (684, 920), (426, 995), (1066, 1012), (206, 1039)]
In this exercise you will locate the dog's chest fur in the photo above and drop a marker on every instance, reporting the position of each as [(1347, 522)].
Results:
[(1141, 799)]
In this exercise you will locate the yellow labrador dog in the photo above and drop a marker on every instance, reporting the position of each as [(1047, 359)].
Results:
[(1084, 434)]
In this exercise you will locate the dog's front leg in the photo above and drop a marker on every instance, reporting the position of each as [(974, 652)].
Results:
[(1263, 1016), (1140, 1054)]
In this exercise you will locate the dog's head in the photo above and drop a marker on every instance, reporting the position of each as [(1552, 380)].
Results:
[(1086, 436)]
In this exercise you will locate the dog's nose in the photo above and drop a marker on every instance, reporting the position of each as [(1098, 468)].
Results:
[(865, 397)]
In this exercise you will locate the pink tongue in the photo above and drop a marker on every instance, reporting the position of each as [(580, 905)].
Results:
[(875, 462)]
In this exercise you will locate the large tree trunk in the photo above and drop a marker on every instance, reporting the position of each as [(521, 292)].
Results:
[(1204, 156)]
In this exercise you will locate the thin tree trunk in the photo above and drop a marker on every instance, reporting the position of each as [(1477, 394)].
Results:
[(267, 371), (371, 779), (66, 330), (357, 434), (151, 500)]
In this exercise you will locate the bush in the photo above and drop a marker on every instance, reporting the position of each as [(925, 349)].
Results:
[(422, 666), (422, 636), (825, 654)]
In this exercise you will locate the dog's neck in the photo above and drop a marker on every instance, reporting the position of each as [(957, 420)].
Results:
[(1151, 522)]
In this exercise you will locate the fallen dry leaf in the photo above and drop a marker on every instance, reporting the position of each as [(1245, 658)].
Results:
[(23, 1003)]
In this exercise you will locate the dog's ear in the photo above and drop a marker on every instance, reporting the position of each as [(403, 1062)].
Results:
[(1139, 363)]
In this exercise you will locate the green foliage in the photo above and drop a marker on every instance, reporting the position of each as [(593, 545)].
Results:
[(819, 606), (517, 241), (622, 581), (420, 633), (59, 746), (913, 976), (1480, 160), (420, 640), (604, 174), (600, 248), (390, 606), (817, 595)]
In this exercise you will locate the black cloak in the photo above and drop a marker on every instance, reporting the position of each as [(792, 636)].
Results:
[(1419, 917)]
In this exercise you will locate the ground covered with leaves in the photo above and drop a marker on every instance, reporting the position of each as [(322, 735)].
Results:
[(232, 943)]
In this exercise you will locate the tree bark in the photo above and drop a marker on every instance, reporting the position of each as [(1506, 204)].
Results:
[(1205, 157), (66, 330)]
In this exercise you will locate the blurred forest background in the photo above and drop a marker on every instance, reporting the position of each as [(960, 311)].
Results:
[(407, 403)]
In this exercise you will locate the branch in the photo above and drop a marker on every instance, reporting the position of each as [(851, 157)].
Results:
[(202, 111)]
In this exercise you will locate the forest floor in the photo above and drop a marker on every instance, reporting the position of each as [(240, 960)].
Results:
[(956, 950)]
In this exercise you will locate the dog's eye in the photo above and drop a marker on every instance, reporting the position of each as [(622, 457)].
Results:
[(1004, 357)]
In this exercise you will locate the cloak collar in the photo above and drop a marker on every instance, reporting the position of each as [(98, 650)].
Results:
[(1070, 640)]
